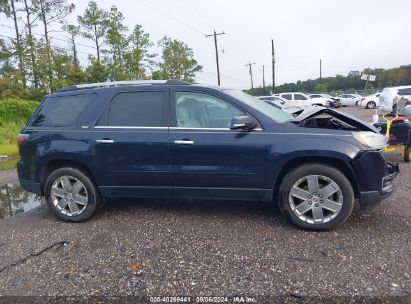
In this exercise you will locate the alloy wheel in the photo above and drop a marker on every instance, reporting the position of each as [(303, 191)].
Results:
[(69, 195), (316, 199)]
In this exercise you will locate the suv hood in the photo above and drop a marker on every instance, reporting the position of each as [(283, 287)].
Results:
[(304, 116)]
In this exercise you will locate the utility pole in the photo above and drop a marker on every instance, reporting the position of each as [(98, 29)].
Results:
[(216, 53), (263, 80), (273, 59), (251, 73), (320, 71)]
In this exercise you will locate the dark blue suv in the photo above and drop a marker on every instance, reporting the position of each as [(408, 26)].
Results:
[(174, 139)]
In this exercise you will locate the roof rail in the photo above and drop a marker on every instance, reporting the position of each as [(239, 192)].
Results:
[(121, 83)]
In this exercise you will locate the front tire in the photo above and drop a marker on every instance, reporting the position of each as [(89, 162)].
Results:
[(316, 196), (71, 194)]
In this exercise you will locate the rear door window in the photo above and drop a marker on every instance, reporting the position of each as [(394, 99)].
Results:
[(287, 96), (138, 109), (61, 111)]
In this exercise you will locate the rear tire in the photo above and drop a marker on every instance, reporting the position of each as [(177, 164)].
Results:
[(321, 205), (71, 194), (371, 105)]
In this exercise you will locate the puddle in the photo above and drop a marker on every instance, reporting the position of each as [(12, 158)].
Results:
[(14, 200)]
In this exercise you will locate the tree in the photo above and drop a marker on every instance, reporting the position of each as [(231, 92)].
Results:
[(66, 73), (96, 71), (73, 31), (138, 59), (51, 11), (177, 60), (9, 9), (319, 87), (117, 43), (94, 23), (31, 43)]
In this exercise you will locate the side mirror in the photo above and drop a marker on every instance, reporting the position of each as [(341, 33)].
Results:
[(242, 122)]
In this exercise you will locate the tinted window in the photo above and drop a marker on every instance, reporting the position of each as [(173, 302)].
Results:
[(61, 111), (287, 96), (197, 110), (137, 109), (404, 92), (268, 98), (299, 97)]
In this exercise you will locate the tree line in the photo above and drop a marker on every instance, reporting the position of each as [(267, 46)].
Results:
[(385, 78), (31, 65)]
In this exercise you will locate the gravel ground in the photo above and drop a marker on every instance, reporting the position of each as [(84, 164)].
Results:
[(8, 176), (152, 247)]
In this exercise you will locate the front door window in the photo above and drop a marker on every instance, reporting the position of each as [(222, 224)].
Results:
[(198, 110)]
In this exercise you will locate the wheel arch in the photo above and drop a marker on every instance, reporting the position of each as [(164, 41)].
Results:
[(55, 164), (330, 161)]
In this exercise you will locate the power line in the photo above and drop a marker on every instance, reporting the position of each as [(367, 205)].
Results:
[(216, 53), (59, 47), (234, 46), (55, 38), (170, 16)]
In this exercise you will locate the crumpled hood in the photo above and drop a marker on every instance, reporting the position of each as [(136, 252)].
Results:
[(347, 118)]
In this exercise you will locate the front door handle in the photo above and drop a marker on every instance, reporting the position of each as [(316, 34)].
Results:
[(104, 141), (184, 142)]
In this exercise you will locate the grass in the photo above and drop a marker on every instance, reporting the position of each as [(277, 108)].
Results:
[(8, 164), (9, 150), (8, 136), (13, 115)]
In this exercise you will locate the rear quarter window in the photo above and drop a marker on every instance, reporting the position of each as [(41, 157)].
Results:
[(61, 111)]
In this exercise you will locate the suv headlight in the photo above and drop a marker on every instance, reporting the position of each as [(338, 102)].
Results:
[(371, 140)]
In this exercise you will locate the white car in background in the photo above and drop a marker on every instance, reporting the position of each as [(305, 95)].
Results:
[(349, 99), (388, 94), (370, 102), (334, 102), (281, 103), (298, 99)]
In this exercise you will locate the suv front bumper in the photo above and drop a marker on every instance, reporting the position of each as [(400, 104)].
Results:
[(375, 178)]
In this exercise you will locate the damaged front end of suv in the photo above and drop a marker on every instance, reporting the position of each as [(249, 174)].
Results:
[(369, 159)]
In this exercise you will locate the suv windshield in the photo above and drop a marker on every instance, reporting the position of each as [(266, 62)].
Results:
[(274, 113)]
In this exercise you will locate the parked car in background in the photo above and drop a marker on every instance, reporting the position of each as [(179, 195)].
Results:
[(388, 94), (370, 102), (349, 100), (334, 102), (404, 106), (298, 98), (281, 103), (172, 139)]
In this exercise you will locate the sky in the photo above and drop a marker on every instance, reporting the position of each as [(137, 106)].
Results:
[(345, 34)]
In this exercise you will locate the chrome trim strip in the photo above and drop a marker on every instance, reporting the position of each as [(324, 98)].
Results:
[(130, 127), (210, 129)]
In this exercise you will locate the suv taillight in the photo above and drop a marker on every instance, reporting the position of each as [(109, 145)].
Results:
[(21, 138), (408, 103)]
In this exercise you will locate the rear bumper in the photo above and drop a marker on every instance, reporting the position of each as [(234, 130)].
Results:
[(30, 186), (375, 178), (27, 180)]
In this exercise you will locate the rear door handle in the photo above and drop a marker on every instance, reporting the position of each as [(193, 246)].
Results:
[(104, 141), (184, 142)]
